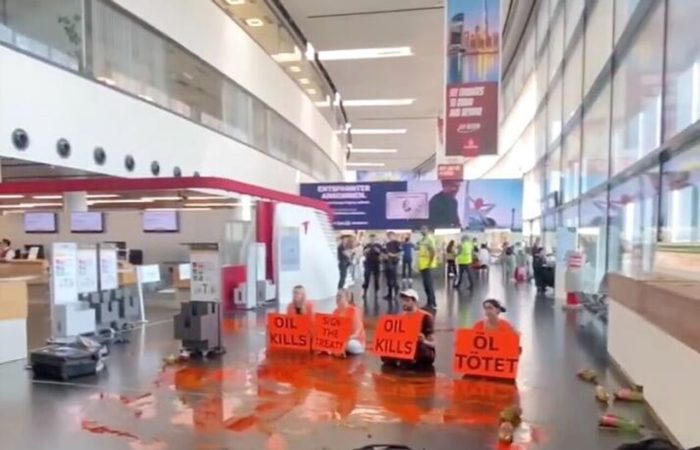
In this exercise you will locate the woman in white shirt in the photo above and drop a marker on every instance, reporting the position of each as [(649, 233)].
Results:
[(6, 252)]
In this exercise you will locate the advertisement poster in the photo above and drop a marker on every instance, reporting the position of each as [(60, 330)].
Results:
[(87, 270), (205, 284), (109, 278), (290, 249), (473, 71), (476, 204), (64, 270)]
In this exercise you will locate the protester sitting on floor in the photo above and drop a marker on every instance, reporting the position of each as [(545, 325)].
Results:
[(491, 320), (347, 308), (425, 351), (300, 305)]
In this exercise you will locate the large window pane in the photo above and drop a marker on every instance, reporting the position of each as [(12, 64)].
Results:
[(596, 140), (637, 96), (542, 76), (556, 45), (571, 164), (682, 106), (569, 216), (681, 198), (632, 217), (599, 28), (554, 112), (623, 11), (574, 8), (51, 30), (592, 239), (541, 134), (542, 22), (554, 171), (572, 82), (532, 194)]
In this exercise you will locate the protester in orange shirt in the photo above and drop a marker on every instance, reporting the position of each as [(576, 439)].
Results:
[(300, 305), (491, 321), (347, 308)]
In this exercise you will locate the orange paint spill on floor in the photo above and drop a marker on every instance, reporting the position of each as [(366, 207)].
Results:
[(96, 428)]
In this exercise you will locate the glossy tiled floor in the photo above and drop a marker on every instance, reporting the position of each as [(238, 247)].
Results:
[(247, 401)]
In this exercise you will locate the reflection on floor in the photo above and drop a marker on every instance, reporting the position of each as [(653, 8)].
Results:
[(249, 401)]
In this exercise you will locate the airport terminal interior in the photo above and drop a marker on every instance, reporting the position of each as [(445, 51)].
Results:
[(356, 225)]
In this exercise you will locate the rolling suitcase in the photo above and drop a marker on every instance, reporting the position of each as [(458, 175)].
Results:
[(63, 362)]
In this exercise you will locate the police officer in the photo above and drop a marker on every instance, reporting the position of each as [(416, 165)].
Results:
[(372, 251), (427, 261), (465, 257), (392, 252)]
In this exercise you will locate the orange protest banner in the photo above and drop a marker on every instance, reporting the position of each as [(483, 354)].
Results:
[(289, 332), (487, 354), (397, 336), (331, 333)]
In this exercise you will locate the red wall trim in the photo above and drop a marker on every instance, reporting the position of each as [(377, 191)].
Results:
[(58, 186)]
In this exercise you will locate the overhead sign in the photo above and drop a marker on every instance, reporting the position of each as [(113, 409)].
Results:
[(473, 204), (487, 354), (397, 336), (473, 72), (331, 333), (288, 332), (450, 171)]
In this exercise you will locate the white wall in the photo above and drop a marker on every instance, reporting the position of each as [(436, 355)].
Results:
[(667, 368), (50, 103), (205, 30), (195, 226), (318, 266)]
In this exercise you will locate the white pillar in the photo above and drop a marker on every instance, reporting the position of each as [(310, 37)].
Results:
[(75, 202)]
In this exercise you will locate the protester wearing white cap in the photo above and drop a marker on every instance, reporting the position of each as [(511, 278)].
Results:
[(425, 351)]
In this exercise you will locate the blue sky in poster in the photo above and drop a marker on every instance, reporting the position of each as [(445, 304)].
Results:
[(495, 204), (473, 11)]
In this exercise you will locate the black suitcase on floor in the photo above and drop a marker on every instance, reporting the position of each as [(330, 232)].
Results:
[(63, 362)]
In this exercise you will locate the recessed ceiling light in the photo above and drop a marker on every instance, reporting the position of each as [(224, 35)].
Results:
[(311, 91), (209, 205), (364, 53), (380, 102), (120, 200), (365, 164), (165, 199), (102, 195), (107, 81), (294, 69), (304, 80), (11, 196), (254, 22), (235, 2), (378, 131), (147, 98), (374, 150)]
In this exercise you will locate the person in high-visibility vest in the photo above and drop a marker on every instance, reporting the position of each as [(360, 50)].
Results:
[(427, 261), (465, 255)]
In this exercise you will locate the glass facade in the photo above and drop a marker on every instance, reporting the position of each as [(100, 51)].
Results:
[(615, 129), (100, 41)]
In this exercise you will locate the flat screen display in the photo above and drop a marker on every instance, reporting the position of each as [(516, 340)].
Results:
[(87, 222), (161, 222), (40, 222), (406, 205)]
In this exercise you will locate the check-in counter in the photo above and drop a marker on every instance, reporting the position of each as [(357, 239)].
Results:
[(13, 318), (654, 338), (36, 269)]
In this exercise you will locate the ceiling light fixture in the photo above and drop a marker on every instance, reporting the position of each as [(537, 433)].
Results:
[(107, 81), (121, 200), (156, 199), (374, 150), (294, 69), (380, 102), (201, 205), (310, 52), (304, 80), (254, 22), (311, 91), (11, 196), (378, 131), (47, 197), (208, 198), (40, 205), (365, 164), (102, 196), (364, 53), (288, 56), (235, 2)]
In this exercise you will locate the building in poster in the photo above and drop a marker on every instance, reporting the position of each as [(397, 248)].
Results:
[(473, 71), (476, 204)]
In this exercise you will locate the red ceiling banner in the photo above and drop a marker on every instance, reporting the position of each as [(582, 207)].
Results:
[(450, 171), (473, 72)]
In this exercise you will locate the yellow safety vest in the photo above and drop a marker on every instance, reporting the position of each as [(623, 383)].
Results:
[(466, 253), (424, 246)]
